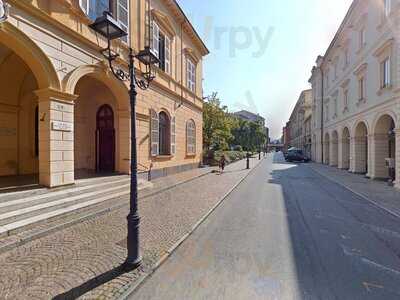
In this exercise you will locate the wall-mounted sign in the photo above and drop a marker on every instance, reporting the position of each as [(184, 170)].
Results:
[(61, 126), (3, 11)]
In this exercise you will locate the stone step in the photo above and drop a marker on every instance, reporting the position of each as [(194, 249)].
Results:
[(68, 200), (45, 191), (16, 214), (8, 229), (48, 197)]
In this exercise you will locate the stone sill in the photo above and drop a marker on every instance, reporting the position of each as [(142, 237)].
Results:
[(164, 74), (162, 157), (383, 90), (361, 101)]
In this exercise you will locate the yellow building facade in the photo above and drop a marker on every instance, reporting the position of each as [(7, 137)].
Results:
[(63, 113)]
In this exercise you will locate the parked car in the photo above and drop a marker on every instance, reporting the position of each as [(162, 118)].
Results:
[(295, 154)]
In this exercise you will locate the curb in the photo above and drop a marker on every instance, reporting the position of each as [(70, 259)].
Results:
[(142, 278), (357, 193), (90, 216)]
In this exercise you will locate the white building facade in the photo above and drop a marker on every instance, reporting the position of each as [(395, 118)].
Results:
[(298, 119), (356, 92)]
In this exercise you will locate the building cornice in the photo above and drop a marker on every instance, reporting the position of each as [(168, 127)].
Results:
[(178, 97), (52, 94), (187, 25), (342, 27)]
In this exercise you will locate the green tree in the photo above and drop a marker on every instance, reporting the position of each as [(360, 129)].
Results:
[(216, 124), (250, 135)]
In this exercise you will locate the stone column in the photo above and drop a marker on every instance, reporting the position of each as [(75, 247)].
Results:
[(379, 151), (56, 138), (352, 166), (124, 142), (341, 154), (397, 158), (369, 153), (333, 153)]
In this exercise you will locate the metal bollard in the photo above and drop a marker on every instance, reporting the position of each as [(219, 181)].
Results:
[(248, 160)]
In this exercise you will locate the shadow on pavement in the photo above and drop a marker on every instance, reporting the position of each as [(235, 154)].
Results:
[(93, 283), (342, 246)]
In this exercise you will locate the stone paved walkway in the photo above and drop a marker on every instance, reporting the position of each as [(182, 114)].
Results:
[(40, 229), (377, 192), (84, 260)]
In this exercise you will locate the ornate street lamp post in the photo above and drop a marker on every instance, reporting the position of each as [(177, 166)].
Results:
[(109, 28)]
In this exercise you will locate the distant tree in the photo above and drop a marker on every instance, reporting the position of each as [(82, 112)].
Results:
[(222, 130), (250, 135)]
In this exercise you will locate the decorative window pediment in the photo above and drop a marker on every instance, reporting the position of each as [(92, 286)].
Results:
[(192, 54), (360, 71), (163, 21), (386, 48)]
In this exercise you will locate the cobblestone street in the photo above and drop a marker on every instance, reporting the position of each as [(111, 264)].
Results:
[(84, 260)]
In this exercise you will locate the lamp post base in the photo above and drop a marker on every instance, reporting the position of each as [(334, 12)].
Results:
[(130, 265), (133, 259)]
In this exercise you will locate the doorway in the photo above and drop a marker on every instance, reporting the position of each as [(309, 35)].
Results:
[(105, 140)]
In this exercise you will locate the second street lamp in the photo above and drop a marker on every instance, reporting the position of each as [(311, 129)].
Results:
[(109, 28)]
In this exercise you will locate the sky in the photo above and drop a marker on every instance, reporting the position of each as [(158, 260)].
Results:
[(262, 51)]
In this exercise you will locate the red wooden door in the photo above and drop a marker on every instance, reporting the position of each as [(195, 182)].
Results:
[(105, 136)]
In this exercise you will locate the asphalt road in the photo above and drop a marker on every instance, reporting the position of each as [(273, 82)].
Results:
[(285, 233)]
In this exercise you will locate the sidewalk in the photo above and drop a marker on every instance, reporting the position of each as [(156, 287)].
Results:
[(84, 260), (67, 206), (377, 192)]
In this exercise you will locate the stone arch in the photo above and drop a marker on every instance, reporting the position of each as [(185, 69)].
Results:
[(360, 148), (31, 54), (334, 151), (95, 87), (163, 109), (101, 73), (344, 161), (356, 125), (384, 144), (378, 118), (25, 70)]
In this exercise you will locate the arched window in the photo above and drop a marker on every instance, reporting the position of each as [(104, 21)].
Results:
[(190, 137), (164, 134)]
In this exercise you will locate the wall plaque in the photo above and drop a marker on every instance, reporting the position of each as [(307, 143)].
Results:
[(61, 126)]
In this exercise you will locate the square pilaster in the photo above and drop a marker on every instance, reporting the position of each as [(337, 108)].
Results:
[(56, 138), (397, 158)]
